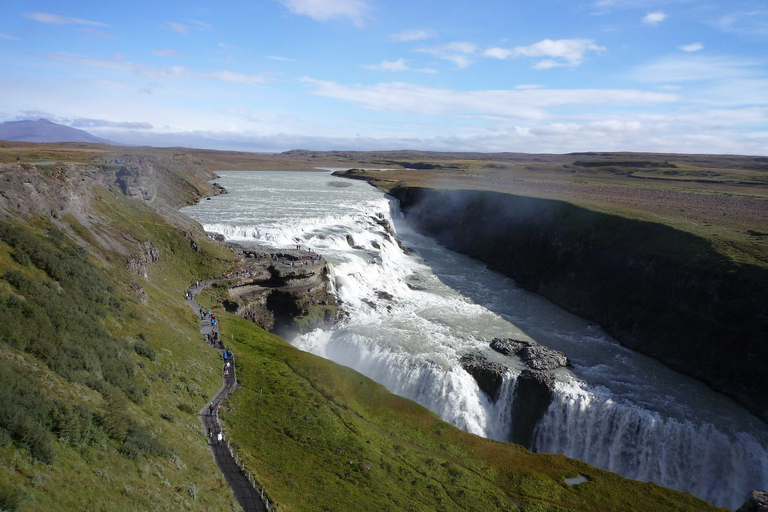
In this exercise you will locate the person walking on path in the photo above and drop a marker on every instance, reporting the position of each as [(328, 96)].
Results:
[(220, 437)]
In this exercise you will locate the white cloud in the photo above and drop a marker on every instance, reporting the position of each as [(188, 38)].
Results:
[(412, 35), (176, 27), (563, 52), (119, 64), (46, 17), (238, 78), (752, 23), (324, 10), (697, 68), (693, 47), (10, 38), (460, 53), (103, 123), (92, 32), (654, 18), (528, 104), (165, 52), (385, 65), (283, 59)]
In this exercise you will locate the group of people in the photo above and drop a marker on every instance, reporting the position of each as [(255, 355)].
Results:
[(215, 433)]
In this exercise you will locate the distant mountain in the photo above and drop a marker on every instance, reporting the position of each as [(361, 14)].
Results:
[(44, 130)]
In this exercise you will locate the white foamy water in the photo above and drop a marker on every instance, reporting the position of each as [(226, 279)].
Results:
[(411, 317)]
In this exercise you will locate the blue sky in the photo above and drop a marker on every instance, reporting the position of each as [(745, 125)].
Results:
[(687, 76)]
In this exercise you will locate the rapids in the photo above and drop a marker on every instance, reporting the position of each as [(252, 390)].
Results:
[(412, 316)]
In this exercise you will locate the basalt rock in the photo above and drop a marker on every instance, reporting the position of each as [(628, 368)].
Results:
[(533, 395), (757, 501), (487, 374), (282, 290), (535, 356)]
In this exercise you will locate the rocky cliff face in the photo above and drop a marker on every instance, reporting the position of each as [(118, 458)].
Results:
[(535, 384), (657, 290), (282, 291)]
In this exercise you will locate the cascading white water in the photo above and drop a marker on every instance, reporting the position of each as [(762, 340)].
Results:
[(411, 317)]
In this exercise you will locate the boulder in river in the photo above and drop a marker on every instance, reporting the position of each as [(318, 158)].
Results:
[(535, 356)]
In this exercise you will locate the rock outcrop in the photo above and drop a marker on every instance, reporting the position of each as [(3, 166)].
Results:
[(533, 395), (138, 180), (487, 374), (757, 501), (282, 290), (535, 356), (535, 385)]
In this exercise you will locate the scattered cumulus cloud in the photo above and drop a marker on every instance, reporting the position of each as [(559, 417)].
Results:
[(385, 65), (282, 59), (10, 38), (563, 52), (325, 10), (408, 36), (226, 46), (693, 47), (46, 17), (654, 18)]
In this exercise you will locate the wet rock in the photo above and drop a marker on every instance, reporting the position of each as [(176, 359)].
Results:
[(487, 374), (757, 501), (351, 242), (533, 395), (535, 356)]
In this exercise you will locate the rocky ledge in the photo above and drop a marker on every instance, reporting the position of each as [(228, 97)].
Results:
[(487, 374), (535, 356), (281, 290), (535, 385)]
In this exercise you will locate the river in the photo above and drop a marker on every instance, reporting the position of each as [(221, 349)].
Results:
[(412, 316)]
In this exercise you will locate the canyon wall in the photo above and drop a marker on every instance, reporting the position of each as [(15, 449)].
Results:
[(660, 291)]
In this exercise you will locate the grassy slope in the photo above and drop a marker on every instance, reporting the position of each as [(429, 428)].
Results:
[(307, 427), (178, 379), (302, 424)]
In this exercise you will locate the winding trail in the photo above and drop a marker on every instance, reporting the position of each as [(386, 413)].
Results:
[(244, 491)]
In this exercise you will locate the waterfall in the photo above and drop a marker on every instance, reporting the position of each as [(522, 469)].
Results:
[(410, 318)]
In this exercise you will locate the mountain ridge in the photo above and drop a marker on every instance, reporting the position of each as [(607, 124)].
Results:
[(43, 130)]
